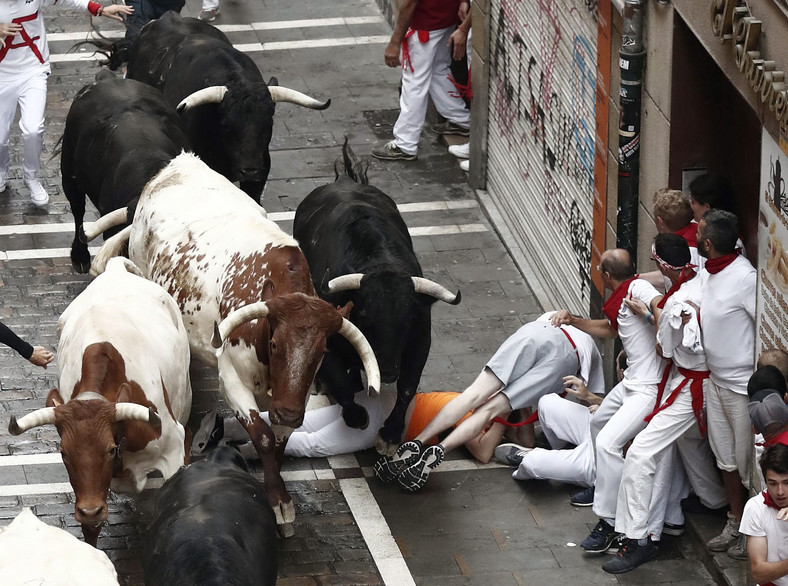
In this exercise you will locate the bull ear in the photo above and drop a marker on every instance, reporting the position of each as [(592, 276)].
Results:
[(124, 394), (268, 290), (273, 81), (54, 399), (345, 311)]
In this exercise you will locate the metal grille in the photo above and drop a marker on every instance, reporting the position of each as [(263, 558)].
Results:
[(541, 137)]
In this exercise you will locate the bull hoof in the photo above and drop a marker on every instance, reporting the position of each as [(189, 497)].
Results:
[(355, 416), (385, 448), (81, 268), (80, 260), (285, 513), (286, 530)]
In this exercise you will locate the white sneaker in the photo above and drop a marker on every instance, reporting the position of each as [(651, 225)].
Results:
[(38, 194), (461, 151), (465, 165)]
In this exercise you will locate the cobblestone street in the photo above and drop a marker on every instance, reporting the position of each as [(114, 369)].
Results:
[(472, 524)]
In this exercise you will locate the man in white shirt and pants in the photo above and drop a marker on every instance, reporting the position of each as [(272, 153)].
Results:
[(727, 320)]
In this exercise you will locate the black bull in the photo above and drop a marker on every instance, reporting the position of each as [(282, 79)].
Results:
[(359, 249), (119, 134), (226, 107), (213, 525)]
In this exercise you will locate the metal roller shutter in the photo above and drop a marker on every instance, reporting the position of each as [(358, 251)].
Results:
[(541, 137)]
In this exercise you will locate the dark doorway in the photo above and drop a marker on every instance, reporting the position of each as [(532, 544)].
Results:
[(713, 127)]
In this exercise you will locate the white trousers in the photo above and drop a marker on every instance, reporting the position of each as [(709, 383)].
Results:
[(31, 95), (429, 78), (730, 430), (562, 422), (618, 420), (653, 452), (211, 5), (324, 432)]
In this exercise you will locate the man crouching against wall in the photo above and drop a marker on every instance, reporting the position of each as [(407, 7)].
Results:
[(764, 521)]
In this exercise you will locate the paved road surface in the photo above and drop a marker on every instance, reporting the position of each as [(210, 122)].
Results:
[(471, 524)]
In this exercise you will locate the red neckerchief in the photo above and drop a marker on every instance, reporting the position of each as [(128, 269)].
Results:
[(780, 438), (612, 306), (690, 234), (767, 500), (685, 275), (715, 265)]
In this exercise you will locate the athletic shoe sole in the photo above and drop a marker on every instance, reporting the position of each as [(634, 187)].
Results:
[(415, 477), (388, 468)]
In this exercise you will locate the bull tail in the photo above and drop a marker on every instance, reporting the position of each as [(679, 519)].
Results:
[(113, 247), (350, 166), (56, 151), (116, 53)]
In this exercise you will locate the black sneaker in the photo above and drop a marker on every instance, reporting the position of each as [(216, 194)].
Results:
[(601, 538), (584, 498), (391, 152), (388, 468), (630, 556), (674, 529), (693, 504), (415, 476), (450, 128), (511, 454)]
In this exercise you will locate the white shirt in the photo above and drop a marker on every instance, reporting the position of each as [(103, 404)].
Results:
[(727, 320), (644, 366), (758, 520), (27, 54), (676, 339), (590, 359)]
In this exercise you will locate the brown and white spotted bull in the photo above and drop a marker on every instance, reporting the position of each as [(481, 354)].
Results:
[(124, 390), (224, 262)]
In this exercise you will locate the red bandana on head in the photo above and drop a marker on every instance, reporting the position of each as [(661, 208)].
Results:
[(613, 305)]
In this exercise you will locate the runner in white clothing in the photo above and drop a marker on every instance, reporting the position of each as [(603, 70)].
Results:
[(421, 33), (764, 521), (680, 417), (24, 67), (621, 415), (727, 320)]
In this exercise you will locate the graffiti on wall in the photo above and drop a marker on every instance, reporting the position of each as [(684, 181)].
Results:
[(546, 115)]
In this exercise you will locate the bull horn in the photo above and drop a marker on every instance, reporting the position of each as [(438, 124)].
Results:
[(361, 345), (207, 95), (104, 223), (345, 283), (247, 313), (285, 94), (432, 289), (136, 412), (42, 416)]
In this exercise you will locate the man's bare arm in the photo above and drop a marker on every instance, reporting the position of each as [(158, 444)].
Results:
[(762, 570), (599, 328), (391, 54)]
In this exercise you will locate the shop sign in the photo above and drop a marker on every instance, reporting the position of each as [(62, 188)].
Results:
[(772, 243), (729, 21)]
